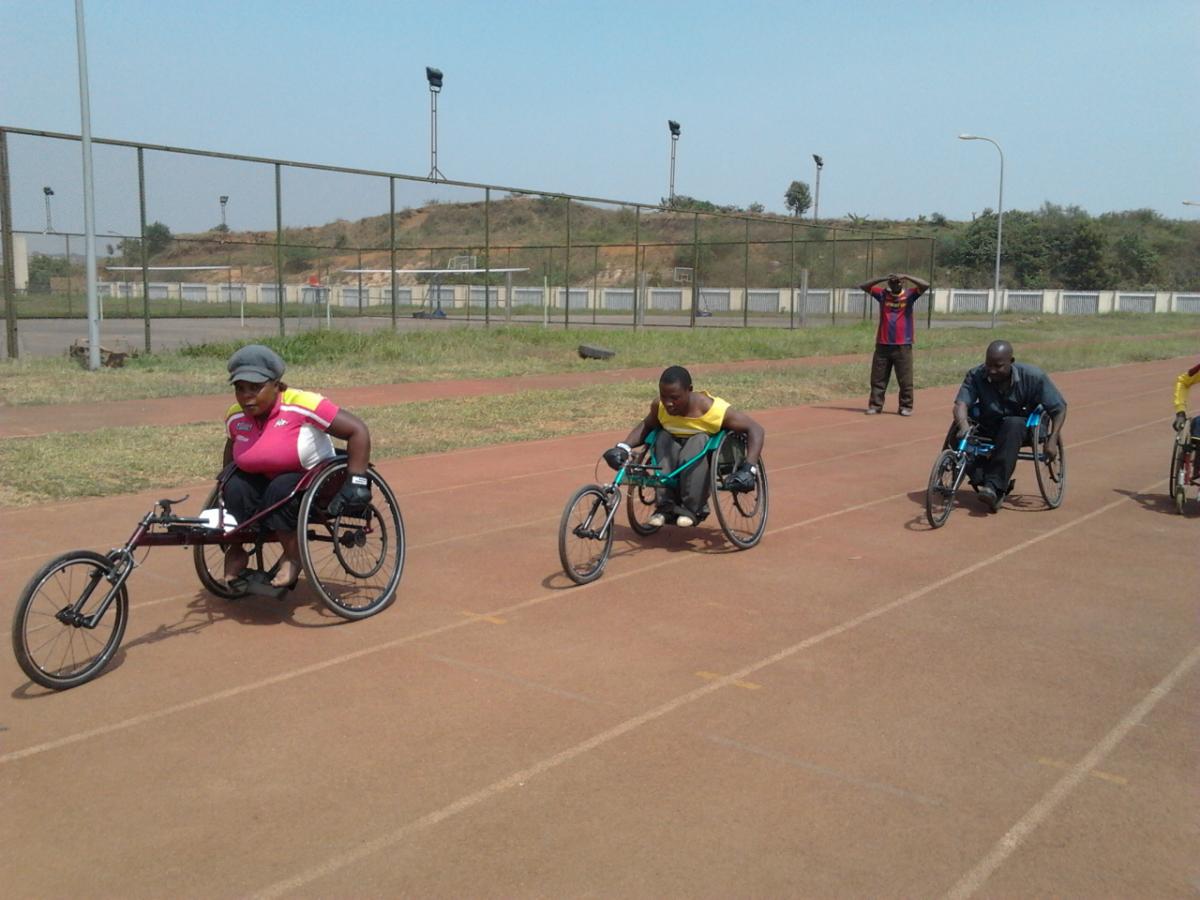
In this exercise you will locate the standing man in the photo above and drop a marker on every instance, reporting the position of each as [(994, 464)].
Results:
[(1000, 395), (894, 338)]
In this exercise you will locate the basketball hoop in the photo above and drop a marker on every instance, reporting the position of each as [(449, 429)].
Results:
[(462, 262), (683, 275)]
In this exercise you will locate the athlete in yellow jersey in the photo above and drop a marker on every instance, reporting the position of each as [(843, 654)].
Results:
[(1182, 383), (684, 419)]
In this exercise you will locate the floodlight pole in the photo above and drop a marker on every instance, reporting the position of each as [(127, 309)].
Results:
[(674, 129), (817, 193), (434, 77), (999, 217), (89, 211), (48, 192), (224, 199)]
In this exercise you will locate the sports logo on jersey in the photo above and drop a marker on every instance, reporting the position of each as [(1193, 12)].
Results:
[(243, 426), (279, 423)]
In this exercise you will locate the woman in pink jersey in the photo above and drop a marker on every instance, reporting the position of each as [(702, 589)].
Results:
[(275, 434)]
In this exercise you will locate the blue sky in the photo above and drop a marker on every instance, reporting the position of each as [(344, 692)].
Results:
[(1094, 102)]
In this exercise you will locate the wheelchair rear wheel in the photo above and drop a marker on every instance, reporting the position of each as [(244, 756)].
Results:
[(585, 534), (54, 643), (742, 515), (353, 560), (1051, 474), (939, 495)]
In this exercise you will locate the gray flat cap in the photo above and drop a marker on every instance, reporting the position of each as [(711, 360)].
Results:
[(257, 363)]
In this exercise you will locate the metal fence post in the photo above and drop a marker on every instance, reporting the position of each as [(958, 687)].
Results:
[(792, 280), (567, 271), (637, 266), (392, 244), (695, 265), (10, 260), (929, 308), (68, 251), (870, 268), (487, 258), (279, 247), (595, 281), (359, 267), (141, 164), (746, 278), (833, 288)]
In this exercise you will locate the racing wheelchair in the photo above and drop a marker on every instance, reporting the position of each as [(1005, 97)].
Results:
[(1185, 468), (585, 533), (72, 614), (960, 457)]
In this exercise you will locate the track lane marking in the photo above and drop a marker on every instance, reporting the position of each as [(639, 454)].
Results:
[(536, 600), (370, 848), (1012, 839)]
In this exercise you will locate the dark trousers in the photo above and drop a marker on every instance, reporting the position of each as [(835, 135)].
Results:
[(245, 494), (670, 451), (1007, 436), (886, 358)]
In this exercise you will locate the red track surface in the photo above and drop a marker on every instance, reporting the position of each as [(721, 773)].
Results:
[(858, 706)]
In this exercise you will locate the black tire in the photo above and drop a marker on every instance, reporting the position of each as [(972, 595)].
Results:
[(1176, 457), (56, 654), (1178, 484), (209, 559), (353, 561), (1051, 475), (584, 541), (939, 495), (742, 515)]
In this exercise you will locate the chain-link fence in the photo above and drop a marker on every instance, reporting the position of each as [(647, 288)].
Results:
[(281, 245)]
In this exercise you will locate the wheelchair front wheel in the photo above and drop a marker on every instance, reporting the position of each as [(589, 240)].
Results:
[(742, 515), (1051, 474), (353, 560), (939, 495), (585, 534), (54, 643)]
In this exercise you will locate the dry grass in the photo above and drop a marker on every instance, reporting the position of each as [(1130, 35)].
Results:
[(121, 460)]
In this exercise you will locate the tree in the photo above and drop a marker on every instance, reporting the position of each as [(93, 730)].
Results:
[(1137, 262), (42, 267), (1083, 265), (158, 238), (756, 208), (798, 198)]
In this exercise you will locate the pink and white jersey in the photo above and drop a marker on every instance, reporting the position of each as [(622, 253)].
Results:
[(291, 439)]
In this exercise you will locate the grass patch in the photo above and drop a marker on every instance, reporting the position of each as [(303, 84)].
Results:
[(332, 359), (122, 460)]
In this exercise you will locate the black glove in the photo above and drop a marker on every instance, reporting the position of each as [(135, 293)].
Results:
[(1180, 421), (743, 478), (617, 456), (353, 497)]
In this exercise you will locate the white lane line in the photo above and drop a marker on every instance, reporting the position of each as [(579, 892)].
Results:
[(973, 880), (673, 559), (390, 839)]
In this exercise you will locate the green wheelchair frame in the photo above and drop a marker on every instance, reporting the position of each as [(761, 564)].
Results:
[(585, 533)]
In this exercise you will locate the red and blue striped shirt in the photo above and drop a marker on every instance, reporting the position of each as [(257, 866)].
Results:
[(895, 314)]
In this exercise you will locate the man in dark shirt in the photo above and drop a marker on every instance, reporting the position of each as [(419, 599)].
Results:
[(893, 338), (1000, 395)]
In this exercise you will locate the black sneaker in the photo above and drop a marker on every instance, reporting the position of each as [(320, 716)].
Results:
[(988, 494)]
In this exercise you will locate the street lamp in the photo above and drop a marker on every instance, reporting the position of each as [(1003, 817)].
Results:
[(224, 198), (1185, 202), (48, 192), (434, 77), (999, 216), (817, 197), (674, 127)]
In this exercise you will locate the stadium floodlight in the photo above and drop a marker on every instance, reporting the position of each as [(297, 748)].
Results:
[(817, 193), (224, 198), (434, 77), (999, 216), (48, 192), (674, 128)]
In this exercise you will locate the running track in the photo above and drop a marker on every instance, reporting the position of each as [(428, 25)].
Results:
[(858, 706)]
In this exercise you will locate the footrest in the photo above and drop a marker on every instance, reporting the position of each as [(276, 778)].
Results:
[(256, 581)]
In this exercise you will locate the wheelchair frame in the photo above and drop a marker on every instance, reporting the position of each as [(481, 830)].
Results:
[(348, 534), (641, 477), (958, 454)]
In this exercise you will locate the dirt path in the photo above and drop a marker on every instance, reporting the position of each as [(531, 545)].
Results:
[(858, 706)]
